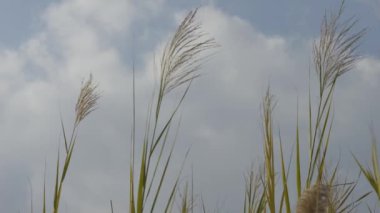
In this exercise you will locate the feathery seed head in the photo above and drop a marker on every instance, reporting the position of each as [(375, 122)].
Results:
[(334, 54), (314, 200), (87, 100), (184, 54)]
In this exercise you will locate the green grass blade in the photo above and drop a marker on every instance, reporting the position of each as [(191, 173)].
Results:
[(322, 164), (162, 178), (44, 192), (56, 188), (133, 142), (308, 181), (284, 181), (170, 200), (142, 180), (370, 175), (64, 136), (376, 169), (298, 158), (158, 161), (68, 160)]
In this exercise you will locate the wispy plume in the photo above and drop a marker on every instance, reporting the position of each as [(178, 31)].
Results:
[(334, 53), (314, 200), (184, 54), (87, 100)]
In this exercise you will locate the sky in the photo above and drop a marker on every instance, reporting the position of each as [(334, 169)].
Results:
[(47, 48)]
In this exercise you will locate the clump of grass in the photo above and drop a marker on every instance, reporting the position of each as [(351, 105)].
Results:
[(333, 54), (86, 103)]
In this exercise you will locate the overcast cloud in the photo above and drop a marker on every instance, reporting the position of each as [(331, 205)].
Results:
[(47, 51)]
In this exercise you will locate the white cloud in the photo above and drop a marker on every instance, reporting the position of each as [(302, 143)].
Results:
[(11, 66), (369, 68), (109, 16)]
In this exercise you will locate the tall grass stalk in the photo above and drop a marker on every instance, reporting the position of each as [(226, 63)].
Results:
[(86, 103), (334, 54), (180, 62), (269, 160)]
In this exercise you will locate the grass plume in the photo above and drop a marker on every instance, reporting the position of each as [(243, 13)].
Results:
[(314, 200)]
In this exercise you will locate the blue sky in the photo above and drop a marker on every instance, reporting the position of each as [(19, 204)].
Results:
[(48, 47)]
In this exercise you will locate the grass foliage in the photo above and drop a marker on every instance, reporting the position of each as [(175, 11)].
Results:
[(372, 174), (318, 187)]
